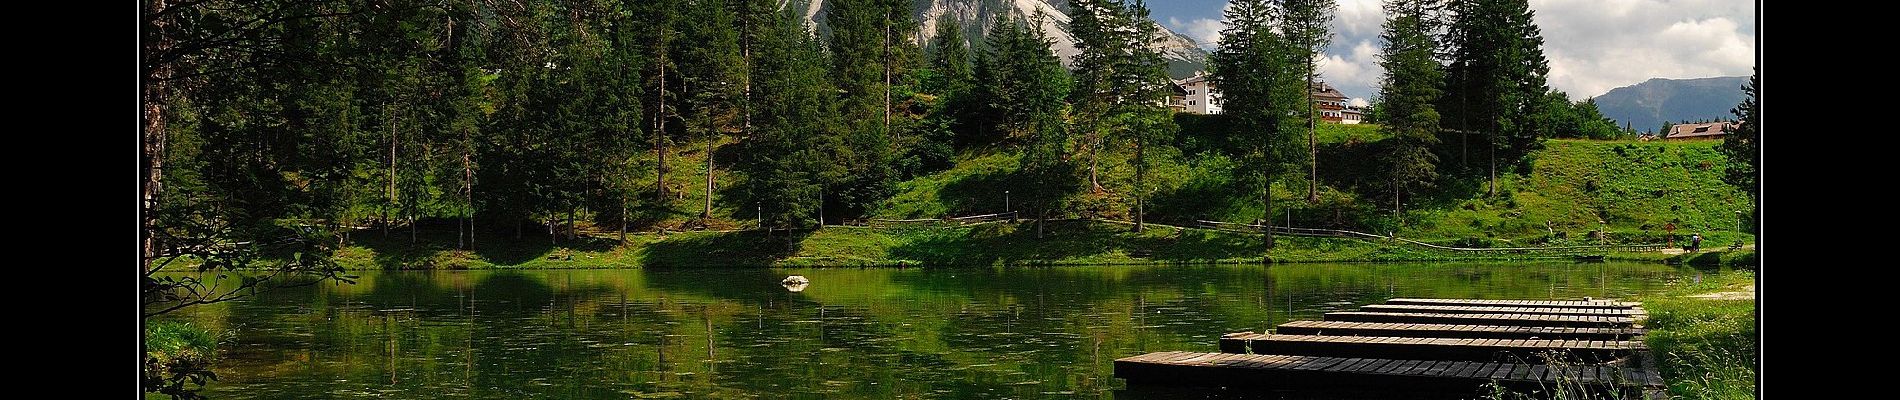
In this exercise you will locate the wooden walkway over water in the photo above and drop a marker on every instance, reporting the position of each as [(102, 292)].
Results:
[(1318, 372), (1575, 321), (1441, 346), (1404, 308), (1341, 328), (1516, 303), (1428, 348)]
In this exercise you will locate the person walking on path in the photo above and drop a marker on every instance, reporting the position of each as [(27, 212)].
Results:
[(1695, 243)]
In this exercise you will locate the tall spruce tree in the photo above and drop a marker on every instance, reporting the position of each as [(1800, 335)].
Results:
[(1121, 84), (1019, 94), (1409, 88), (712, 68), (1496, 78), (1261, 86), (1308, 29), (788, 153), (1743, 147)]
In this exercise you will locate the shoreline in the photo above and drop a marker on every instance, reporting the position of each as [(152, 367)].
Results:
[(1071, 243)]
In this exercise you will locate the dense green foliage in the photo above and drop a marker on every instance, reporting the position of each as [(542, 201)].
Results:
[(1411, 83), (178, 358), (1495, 81), (1743, 146), (1121, 87), (1308, 29), (1262, 87)]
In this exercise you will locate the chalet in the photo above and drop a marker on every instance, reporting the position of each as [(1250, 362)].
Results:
[(1710, 130), (1352, 115), (1201, 97), (1328, 102), (1197, 95)]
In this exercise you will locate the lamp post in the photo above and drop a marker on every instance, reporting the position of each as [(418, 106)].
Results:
[(1006, 201)]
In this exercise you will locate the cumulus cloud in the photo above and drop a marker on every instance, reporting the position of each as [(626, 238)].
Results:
[(1598, 45), (1205, 31), (1593, 45)]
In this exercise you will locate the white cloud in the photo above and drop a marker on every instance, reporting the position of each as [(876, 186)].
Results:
[(1206, 31), (1598, 45), (1593, 45)]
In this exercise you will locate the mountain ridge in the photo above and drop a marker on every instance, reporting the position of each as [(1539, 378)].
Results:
[(1645, 106)]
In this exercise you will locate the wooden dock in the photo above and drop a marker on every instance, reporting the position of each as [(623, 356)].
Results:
[(1440, 309), (1316, 372), (1574, 321), (1516, 303), (1343, 328), (1428, 347)]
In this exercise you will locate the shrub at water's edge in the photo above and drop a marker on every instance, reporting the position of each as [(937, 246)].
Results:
[(178, 358)]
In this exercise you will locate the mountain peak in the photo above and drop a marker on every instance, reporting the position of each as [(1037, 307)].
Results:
[(975, 16), (1645, 106)]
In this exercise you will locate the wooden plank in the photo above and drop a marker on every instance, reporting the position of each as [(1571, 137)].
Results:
[(1484, 319), (1444, 309), (1545, 303), (1423, 348)]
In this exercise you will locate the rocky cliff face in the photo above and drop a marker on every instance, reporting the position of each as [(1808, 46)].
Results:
[(976, 15)]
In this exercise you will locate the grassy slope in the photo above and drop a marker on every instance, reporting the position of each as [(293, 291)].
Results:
[(1064, 242), (1631, 187)]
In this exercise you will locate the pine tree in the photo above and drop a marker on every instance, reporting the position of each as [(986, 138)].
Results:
[(712, 68), (1308, 29), (950, 62), (787, 155), (1496, 78), (1019, 93), (1410, 86), (1261, 87), (1742, 145), (662, 89)]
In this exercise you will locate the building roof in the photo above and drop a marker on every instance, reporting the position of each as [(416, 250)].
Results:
[(1323, 91), (1711, 129), (1199, 76)]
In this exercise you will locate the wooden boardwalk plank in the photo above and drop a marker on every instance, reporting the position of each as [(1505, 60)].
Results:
[(1579, 321), (1451, 309), (1516, 303), (1350, 328), (1298, 372), (1452, 349)]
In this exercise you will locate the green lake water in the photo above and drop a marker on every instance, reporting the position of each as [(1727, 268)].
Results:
[(964, 333)]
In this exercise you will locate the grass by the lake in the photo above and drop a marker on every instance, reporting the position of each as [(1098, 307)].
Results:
[(1576, 192), (1708, 347), (1070, 242)]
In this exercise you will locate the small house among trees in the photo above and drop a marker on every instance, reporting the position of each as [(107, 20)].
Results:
[(1710, 130)]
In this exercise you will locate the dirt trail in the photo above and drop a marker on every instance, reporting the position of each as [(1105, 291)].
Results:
[(1747, 293)]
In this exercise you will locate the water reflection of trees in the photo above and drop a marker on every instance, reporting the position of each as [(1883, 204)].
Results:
[(855, 333)]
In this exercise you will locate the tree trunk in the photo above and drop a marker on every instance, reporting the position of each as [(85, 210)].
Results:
[(392, 172), (659, 134), (1141, 175), (468, 190), (1267, 220), (1312, 138), (712, 136), (1493, 192), (152, 152), (1395, 199), (887, 82)]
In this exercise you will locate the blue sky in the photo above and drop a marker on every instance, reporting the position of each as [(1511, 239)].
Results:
[(1593, 45)]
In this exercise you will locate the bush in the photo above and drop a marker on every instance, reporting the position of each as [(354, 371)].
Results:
[(178, 358)]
